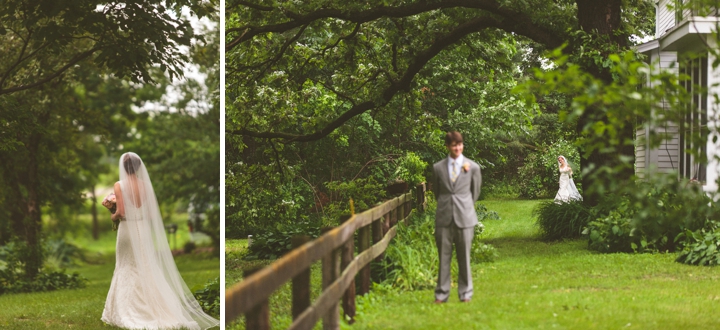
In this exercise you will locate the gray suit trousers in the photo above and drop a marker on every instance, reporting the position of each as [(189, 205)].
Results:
[(445, 238)]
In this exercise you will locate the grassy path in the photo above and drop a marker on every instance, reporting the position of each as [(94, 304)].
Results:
[(537, 285), (82, 308)]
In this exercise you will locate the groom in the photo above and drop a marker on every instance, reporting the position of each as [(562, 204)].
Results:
[(456, 186)]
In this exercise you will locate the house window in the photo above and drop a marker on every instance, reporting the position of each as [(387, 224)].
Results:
[(694, 131)]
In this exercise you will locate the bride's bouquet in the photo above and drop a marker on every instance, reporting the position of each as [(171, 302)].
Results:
[(111, 204)]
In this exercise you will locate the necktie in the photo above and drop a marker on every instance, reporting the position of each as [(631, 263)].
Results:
[(454, 174)]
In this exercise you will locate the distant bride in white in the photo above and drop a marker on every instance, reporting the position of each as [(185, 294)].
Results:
[(568, 191), (146, 291)]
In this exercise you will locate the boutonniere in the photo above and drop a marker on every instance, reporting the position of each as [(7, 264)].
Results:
[(466, 167)]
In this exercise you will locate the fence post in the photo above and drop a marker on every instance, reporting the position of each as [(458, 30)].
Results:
[(420, 194), (393, 217), (347, 256), (401, 211), (364, 240), (259, 316), (331, 319), (300, 283), (377, 234)]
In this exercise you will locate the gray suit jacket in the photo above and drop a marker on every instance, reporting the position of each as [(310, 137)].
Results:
[(456, 200)]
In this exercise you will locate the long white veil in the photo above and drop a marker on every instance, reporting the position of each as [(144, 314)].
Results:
[(574, 193), (161, 283)]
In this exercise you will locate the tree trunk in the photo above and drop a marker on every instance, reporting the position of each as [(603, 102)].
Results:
[(33, 217), (93, 211), (602, 18)]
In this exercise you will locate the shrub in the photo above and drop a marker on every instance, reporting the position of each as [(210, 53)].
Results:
[(561, 220), (649, 216), (483, 213), (412, 257), (701, 247), (411, 169), (62, 254), (482, 252), (13, 279), (365, 193), (208, 295), (189, 247), (272, 244)]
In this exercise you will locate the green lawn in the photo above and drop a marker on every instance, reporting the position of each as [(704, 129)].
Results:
[(537, 285), (82, 308)]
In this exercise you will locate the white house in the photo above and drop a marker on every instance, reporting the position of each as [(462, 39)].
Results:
[(676, 33)]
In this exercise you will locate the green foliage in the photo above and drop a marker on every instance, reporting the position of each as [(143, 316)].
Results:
[(484, 214), (412, 256), (208, 295), (273, 243), (650, 215), (62, 254), (481, 252), (700, 247), (559, 221), (13, 279), (365, 193), (411, 169), (53, 37), (539, 176)]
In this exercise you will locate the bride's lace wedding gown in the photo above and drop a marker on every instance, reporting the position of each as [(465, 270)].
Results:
[(568, 191), (129, 305), (146, 291)]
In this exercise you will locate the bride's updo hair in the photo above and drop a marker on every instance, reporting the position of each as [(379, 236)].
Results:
[(131, 163)]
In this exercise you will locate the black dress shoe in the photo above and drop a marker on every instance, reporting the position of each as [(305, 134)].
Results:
[(465, 300)]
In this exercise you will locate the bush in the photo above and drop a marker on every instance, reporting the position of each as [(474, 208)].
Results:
[(561, 220), (272, 244), (411, 169), (208, 295), (411, 257), (649, 216), (13, 279), (483, 213), (700, 247), (365, 193), (539, 176), (189, 247), (62, 254)]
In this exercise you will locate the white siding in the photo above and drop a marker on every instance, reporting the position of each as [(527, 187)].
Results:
[(664, 158), (713, 149), (665, 18), (640, 152)]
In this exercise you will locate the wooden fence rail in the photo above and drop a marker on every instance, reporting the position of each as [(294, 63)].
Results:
[(335, 247)]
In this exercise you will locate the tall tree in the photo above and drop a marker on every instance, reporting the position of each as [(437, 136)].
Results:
[(51, 52), (369, 53), (42, 40)]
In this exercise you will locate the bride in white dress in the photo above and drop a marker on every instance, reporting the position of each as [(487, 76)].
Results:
[(146, 291), (568, 191)]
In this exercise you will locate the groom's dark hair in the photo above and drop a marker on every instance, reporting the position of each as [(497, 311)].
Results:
[(453, 137)]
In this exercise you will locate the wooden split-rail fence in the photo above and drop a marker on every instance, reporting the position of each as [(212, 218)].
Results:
[(341, 267)]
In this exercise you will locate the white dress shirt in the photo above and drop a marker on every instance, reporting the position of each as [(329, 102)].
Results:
[(458, 165)]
